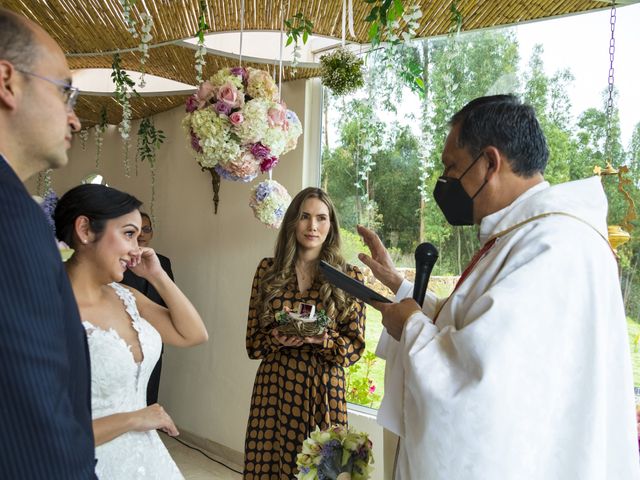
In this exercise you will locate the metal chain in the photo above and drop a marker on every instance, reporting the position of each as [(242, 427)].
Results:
[(612, 51)]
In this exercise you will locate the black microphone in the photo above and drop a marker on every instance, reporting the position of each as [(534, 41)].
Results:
[(426, 256)]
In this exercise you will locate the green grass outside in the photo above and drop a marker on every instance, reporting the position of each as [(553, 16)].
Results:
[(634, 338)]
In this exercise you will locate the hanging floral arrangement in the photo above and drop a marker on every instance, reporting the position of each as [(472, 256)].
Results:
[(237, 127), (269, 201), (341, 71)]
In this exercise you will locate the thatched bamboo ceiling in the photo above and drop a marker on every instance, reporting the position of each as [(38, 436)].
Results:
[(89, 31)]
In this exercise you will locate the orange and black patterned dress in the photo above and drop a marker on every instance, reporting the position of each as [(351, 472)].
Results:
[(296, 388)]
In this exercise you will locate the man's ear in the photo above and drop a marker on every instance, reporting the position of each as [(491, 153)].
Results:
[(495, 161), (82, 230), (7, 85)]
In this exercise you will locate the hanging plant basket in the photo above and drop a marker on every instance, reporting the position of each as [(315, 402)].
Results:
[(341, 71)]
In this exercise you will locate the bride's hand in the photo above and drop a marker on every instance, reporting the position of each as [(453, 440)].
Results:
[(154, 417), (145, 263)]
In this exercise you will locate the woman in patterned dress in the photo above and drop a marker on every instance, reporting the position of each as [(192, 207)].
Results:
[(300, 382)]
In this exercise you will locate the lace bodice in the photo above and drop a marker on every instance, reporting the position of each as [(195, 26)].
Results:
[(119, 384)]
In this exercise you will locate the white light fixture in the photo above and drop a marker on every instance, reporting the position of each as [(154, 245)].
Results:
[(263, 46), (98, 82)]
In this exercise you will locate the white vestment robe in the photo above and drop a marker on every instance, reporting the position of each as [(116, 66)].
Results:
[(526, 373)]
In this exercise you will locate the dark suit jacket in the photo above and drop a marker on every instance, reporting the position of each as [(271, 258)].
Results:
[(143, 286), (45, 390)]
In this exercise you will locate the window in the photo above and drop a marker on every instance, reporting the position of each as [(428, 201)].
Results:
[(382, 145)]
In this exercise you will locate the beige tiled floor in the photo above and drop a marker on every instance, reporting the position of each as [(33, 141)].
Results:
[(195, 466)]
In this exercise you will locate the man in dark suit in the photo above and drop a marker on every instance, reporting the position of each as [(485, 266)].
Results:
[(143, 286), (45, 396)]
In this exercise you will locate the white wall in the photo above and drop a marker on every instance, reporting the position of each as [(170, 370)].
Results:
[(207, 389)]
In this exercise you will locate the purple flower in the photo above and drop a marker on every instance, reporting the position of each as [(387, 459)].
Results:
[(195, 142), (332, 445), (268, 163), (222, 108), (224, 173), (263, 191), (192, 104), (260, 151), (48, 207), (279, 213), (240, 72)]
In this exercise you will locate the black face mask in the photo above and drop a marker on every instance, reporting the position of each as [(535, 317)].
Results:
[(453, 200)]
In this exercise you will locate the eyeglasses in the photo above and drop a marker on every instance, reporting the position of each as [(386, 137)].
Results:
[(69, 92), (146, 229)]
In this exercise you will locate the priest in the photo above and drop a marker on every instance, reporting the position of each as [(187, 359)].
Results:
[(524, 371)]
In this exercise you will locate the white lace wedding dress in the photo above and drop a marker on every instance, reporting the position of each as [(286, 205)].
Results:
[(119, 384)]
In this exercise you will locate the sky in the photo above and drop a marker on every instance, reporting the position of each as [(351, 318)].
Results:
[(581, 43)]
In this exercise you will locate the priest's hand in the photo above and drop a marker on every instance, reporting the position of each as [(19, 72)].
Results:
[(380, 261), (395, 315)]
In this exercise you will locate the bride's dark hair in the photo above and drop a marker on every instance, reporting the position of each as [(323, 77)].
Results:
[(98, 203)]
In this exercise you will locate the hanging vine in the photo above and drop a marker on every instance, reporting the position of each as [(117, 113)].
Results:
[(201, 51), (145, 38), (124, 89), (299, 28), (127, 5), (396, 25), (83, 135), (149, 141), (99, 130)]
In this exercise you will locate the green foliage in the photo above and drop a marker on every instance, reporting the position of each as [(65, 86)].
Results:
[(381, 15), (298, 27), (121, 80), (202, 22), (149, 141), (360, 386)]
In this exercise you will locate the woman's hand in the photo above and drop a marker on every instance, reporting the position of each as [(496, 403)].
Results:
[(285, 340), (154, 417), (317, 340), (145, 263)]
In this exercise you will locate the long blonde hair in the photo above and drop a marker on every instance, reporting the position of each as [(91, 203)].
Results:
[(336, 303)]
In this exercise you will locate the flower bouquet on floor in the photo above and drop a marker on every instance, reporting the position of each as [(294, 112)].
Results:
[(305, 322), (338, 453)]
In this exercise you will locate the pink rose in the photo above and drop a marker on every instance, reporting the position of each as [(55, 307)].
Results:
[(260, 151), (205, 92), (236, 118), (276, 116), (228, 93)]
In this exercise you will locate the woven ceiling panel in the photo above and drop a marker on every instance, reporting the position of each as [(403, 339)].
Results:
[(96, 28)]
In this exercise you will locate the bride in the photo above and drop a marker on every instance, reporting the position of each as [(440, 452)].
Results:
[(125, 330)]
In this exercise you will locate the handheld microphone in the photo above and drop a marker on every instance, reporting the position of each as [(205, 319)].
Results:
[(426, 256)]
